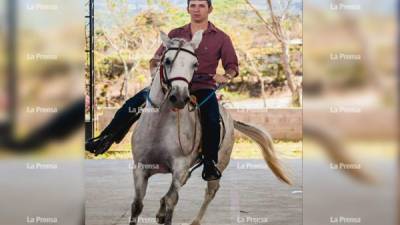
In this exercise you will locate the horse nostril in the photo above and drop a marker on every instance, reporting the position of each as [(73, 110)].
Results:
[(187, 99), (173, 98)]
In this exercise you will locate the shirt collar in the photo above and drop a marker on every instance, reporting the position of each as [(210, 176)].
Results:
[(211, 28)]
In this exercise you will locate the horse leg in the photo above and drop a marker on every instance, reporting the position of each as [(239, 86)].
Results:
[(141, 180), (169, 201), (161, 212), (211, 190)]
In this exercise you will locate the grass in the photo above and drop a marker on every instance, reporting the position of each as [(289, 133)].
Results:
[(247, 149)]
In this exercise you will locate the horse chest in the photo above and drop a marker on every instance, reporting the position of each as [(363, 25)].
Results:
[(162, 134), (155, 133)]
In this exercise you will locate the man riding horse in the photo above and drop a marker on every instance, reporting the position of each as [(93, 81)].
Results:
[(215, 45)]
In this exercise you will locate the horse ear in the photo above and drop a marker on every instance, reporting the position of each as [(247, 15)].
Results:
[(197, 37), (165, 39)]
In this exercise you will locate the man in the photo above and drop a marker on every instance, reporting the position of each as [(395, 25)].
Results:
[(214, 46)]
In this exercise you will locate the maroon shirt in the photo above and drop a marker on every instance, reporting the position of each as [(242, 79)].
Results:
[(214, 46)]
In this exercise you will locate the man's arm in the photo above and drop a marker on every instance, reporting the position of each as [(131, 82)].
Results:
[(229, 59)]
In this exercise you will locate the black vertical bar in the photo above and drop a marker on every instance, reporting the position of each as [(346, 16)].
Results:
[(91, 64)]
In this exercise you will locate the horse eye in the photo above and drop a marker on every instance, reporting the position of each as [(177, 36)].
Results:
[(167, 61), (195, 65)]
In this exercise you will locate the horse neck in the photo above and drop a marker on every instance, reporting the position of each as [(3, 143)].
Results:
[(156, 94)]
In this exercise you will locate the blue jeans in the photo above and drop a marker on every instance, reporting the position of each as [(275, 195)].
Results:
[(210, 127), (127, 115)]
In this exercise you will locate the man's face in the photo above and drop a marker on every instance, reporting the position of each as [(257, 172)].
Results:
[(199, 10)]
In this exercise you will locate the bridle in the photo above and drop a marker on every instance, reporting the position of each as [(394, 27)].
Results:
[(164, 80)]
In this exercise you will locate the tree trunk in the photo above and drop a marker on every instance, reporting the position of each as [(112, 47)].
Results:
[(263, 91), (125, 83), (288, 73)]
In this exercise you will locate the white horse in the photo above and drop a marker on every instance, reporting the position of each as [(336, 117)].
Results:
[(167, 137)]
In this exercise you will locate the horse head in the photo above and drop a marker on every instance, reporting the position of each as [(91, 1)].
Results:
[(178, 64)]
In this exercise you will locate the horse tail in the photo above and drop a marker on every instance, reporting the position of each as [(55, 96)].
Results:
[(264, 140), (336, 151)]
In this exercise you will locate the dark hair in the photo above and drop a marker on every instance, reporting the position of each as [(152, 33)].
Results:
[(208, 1)]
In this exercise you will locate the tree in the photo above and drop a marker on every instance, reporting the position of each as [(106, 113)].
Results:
[(125, 41), (275, 27)]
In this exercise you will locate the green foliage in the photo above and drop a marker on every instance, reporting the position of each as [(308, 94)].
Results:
[(109, 67)]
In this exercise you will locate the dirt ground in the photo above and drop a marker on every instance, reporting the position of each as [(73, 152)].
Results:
[(249, 194)]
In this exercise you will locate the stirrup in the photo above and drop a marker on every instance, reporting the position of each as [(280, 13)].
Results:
[(217, 176), (197, 165)]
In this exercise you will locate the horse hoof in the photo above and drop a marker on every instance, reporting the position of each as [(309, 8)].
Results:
[(160, 219), (133, 221)]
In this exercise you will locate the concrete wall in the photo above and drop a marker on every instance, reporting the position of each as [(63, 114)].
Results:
[(285, 124)]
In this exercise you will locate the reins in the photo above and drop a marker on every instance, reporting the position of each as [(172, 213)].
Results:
[(197, 106)]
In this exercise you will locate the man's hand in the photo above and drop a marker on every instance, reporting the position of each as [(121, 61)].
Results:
[(221, 79)]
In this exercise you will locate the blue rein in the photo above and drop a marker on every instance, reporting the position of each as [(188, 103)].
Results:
[(209, 96)]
